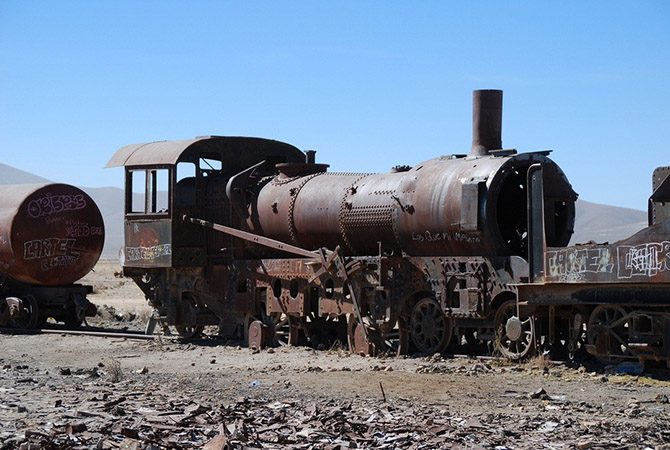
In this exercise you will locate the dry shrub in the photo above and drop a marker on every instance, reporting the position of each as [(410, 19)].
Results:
[(541, 362), (114, 371)]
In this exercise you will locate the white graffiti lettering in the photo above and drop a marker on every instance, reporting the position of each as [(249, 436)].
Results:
[(58, 261), (571, 264), (645, 260), (148, 253), (52, 204), (81, 229), (458, 236), (49, 247)]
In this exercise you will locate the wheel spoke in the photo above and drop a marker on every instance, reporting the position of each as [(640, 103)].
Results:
[(521, 347), (430, 328), (607, 333)]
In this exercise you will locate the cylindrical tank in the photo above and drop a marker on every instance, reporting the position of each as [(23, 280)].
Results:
[(50, 234), (450, 206)]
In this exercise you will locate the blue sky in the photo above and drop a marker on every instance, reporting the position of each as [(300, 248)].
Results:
[(368, 84)]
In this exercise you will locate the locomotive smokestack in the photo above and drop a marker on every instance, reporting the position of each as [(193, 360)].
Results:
[(486, 121)]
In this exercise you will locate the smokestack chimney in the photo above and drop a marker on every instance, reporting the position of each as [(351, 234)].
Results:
[(486, 121)]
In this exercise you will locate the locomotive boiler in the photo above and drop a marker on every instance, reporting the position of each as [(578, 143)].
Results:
[(51, 235), (258, 238)]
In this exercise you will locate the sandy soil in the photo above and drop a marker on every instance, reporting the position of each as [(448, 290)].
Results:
[(61, 391), (111, 289)]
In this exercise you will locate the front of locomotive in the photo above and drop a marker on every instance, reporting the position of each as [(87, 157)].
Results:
[(500, 177), (478, 205)]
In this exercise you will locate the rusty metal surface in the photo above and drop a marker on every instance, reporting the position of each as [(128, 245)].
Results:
[(260, 240), (259, 335), (420, 211), (50, 234), (148, 243), (486, 121), (641, 258), (169, 152)]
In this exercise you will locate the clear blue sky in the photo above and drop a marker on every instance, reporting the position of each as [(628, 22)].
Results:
[(368, 84)]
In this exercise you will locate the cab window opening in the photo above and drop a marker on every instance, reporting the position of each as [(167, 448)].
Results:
[(149, 191)]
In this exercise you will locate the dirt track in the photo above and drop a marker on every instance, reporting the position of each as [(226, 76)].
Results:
[(60, 391)]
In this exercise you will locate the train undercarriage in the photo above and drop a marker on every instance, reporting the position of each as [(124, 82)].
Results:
[(25, 306), (373, 305), (395, 306)]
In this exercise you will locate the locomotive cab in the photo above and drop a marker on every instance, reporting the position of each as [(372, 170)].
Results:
[(168, 180)]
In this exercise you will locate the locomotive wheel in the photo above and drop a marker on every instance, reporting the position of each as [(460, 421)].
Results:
[(189, 331), (392, 341), (395, 340), (188, 313), (358, 342), (23, 312), (282, 329), (607, 334), (430, 329), (514, 336)]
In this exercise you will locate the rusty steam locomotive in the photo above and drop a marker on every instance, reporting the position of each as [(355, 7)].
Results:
[(51, 235), (255, 236)]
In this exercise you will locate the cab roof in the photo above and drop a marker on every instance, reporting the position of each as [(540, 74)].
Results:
[(228, 147)]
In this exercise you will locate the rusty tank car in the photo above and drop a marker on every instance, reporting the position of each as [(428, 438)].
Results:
[(255, 236), (51, 235)]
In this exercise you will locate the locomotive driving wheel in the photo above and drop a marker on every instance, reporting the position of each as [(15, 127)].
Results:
[(283, 329), (392, 338), (607, 333), (360, 342), (430, 329), (514, 336)]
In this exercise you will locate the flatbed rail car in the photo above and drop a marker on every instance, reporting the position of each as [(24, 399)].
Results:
[(613, 300), (256, 237)]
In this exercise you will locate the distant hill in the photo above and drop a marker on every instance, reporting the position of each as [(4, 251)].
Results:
[(604, 223), (11, 175), (600, 223)]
